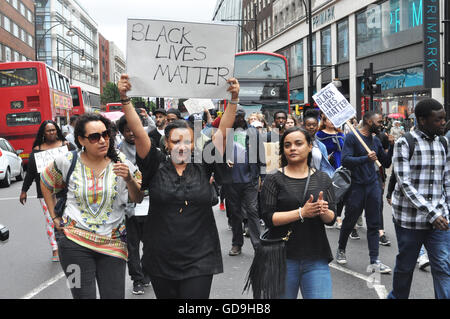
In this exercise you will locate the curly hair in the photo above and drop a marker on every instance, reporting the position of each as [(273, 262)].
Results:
[(40, 136), (80, 131)]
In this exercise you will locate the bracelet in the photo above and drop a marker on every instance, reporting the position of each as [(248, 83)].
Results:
[(55, 218), (126, 101), (234, 101), (300, 214)]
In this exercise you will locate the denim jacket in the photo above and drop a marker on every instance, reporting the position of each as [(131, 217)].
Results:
[(325, 165)]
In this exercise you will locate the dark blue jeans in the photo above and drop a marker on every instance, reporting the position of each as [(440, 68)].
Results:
[(367, 198), (92, 267), (410, 241), (312, 277)]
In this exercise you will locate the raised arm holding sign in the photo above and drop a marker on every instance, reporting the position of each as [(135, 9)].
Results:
[(339, 111)]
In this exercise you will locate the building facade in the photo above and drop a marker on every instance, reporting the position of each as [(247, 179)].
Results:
[(104, 61), (67, 39), (16, 30), (230, 10), (258, 25), (349, 35), (117, 62)]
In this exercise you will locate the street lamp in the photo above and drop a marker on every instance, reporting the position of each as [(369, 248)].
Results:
[(308, 9), (69, 33), (83, 58)]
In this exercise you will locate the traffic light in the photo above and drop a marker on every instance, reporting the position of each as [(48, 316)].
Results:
[(370, 82)]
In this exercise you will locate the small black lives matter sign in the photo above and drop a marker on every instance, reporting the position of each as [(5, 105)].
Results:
[(180, 59)]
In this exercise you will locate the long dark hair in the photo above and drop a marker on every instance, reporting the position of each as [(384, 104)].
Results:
[(40, 136), (308, 137), (80, 131)]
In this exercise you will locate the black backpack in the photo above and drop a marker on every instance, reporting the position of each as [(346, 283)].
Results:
[(412, 143), (341, 180)]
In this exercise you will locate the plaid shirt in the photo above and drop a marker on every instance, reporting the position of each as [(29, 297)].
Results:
[(422, 183)]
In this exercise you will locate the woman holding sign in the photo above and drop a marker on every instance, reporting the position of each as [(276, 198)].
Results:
[(49, 136), (181, 242)]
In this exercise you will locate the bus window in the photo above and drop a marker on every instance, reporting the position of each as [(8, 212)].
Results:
[(62, 87), (259, 66), (55, 84), (75, 97), (67, 86), (50, 84), (18, 77), (95, 100)]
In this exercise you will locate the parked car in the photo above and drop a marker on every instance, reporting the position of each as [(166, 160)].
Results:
[(10, 164)]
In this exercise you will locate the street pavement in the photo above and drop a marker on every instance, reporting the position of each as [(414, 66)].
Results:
[(27, 270)]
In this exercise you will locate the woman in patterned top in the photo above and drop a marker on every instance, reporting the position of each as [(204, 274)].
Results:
[(91, 233)]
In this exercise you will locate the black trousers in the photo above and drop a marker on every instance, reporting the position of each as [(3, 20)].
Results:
[(243, 197), (84, 268), (190, 288), (135, 230)]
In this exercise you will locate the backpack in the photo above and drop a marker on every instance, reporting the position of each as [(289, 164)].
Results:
[(412, 143), (341, 180)]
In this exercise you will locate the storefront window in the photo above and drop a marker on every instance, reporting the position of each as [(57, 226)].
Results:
[(342, 41), (326, 46), (379, 25), (296, 61)]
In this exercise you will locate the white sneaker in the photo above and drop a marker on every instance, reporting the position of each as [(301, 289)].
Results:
[(423, 261), (380, 267), (359, 223)]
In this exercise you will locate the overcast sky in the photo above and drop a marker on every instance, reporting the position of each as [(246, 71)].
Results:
[(111, 15)]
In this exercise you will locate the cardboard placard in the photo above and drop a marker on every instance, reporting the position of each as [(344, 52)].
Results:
[(43, 159)]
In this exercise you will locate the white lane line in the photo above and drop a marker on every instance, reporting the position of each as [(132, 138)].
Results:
[(16, 198), (379, 289), (44, 286)]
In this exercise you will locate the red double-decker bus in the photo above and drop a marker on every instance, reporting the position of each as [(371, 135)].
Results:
[(113, 107), (84, 101), (30, 93), (264, 82)]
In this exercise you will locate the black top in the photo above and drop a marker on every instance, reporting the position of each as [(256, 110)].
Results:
[(155, 137), (281, 193), (180, 234)]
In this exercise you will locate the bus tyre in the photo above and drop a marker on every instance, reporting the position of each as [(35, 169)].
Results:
[(21, 175), (6, 182)]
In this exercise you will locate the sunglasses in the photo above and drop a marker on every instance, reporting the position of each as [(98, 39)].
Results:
[(95, 137)]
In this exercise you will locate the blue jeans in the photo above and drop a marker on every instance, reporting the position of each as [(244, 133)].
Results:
[(311, 276), (410, 241)]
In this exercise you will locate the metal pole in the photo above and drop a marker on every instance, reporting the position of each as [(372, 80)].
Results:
[(310, 56), (371, 107), (256, 26), (447, 58)]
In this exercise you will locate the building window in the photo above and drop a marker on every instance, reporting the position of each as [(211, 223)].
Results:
[(7, 54), (378, 27), (269, 26), (15, 4), (1, 52), (342, 41), (15, 30), (325, 46), (296, 61), (22, 10), (7, 24)]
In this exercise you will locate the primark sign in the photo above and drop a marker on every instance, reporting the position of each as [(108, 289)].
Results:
[(324, 17), (431, 44)]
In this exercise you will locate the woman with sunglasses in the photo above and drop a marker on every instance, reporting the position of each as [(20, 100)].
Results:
[(49, 136), (308, 251), (91, 233), (181, 242)]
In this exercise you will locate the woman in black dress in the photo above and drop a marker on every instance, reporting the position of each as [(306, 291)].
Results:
[(308, 250), (181, 242)]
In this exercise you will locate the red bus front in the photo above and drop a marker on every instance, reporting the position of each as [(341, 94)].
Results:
[(77, 100), (30, 93), (113, 107)]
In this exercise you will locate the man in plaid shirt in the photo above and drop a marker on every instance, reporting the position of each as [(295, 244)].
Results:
[(421, 201)]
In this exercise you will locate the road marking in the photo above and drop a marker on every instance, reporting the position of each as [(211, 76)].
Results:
[(16, 198), (379, 289), (44, 286)]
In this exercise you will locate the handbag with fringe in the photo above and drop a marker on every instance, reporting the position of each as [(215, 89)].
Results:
[(267, 274)]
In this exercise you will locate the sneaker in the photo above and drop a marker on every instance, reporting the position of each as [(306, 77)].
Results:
[(384, 241), (246, 232), (222, 207), (338, 223), (423, 261), (235, 250), (354, 234), (380, 267), (359, 223), (138, 288), (340, 257)]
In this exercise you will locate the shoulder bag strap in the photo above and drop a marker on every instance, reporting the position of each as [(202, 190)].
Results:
[(72, 166)]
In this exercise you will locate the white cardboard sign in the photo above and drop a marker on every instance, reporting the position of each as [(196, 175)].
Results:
[(45, 158), (198, 105), (335, 106), (180, 59)]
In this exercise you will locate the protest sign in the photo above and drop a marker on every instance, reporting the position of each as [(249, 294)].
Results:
[(180, 59), (338, 110), (335, 106), (272, 156), (43, 159), (198, 105)]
